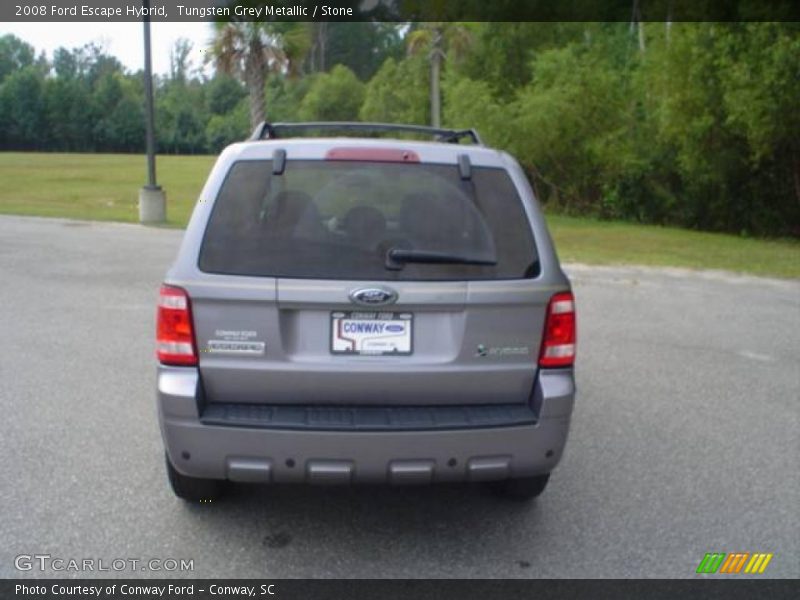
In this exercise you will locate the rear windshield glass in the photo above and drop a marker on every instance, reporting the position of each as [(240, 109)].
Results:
[(367, 220)]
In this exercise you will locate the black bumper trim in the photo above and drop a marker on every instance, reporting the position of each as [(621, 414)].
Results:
[(367, 418)]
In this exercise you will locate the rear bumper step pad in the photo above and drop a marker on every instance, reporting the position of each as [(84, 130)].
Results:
[(366, 418)]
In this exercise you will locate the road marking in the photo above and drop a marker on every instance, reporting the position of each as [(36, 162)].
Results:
[(756, 356)]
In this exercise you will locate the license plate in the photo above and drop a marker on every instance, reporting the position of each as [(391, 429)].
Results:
[(371, 333)]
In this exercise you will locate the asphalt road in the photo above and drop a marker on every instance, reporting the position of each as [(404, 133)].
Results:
[(685, 438)]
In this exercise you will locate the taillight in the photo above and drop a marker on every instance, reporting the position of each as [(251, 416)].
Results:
[(558, 342), (175, 335)]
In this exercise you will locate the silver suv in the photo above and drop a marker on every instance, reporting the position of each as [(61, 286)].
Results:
[(348, 308)]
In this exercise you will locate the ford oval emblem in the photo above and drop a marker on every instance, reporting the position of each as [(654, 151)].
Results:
[(373, 296)]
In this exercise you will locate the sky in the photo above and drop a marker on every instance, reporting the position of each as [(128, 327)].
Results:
[(123, 40)]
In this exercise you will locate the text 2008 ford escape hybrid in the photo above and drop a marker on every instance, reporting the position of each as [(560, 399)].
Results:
[(361, 309)]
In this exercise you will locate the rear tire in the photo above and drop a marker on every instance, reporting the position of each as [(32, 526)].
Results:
[(523, 488), (192, 489)]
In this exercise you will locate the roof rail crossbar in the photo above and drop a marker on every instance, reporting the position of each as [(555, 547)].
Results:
[(271, 131)]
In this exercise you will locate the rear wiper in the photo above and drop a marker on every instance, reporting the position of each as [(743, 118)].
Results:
[(395, 258)]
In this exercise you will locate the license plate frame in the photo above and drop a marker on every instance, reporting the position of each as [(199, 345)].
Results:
[(339, 337)]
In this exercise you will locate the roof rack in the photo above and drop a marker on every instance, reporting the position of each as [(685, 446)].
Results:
[(272, 131)]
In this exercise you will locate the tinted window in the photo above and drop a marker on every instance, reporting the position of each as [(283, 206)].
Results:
[(339, 219)]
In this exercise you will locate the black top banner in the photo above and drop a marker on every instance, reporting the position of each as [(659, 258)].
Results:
[(399, 10)]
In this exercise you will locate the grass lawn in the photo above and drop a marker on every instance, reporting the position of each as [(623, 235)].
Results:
[(106, 187), (611, 242), (101, 187)]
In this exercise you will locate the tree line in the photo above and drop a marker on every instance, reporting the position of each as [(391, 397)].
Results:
[(688, 124)]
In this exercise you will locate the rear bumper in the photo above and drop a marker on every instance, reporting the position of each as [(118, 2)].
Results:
[(323, 456)]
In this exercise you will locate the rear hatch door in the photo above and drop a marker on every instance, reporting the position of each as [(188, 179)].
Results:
[(306, 304)]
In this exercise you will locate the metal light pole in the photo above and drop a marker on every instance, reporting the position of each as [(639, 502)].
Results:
[(152, 200)]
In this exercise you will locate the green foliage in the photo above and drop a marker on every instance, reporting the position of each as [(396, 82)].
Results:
[(571, 123), (68, 112), (398, 93), (362, 46), (689, 124), (722, 102), (503, 52), (223, 94), (761, 89), (284, 96), (14, 55), (471, 103), (693, 125), (181, 118), (22, 109), (231, 127), (123, 126), (334, 96)]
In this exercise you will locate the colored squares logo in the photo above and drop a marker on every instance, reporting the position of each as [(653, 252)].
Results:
[(735, 562)]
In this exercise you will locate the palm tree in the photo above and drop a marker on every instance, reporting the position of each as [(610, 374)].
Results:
[(297, 40), (249, 51), (438, 38)]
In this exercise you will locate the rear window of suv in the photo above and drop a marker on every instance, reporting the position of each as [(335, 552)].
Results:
[(340, 219)]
